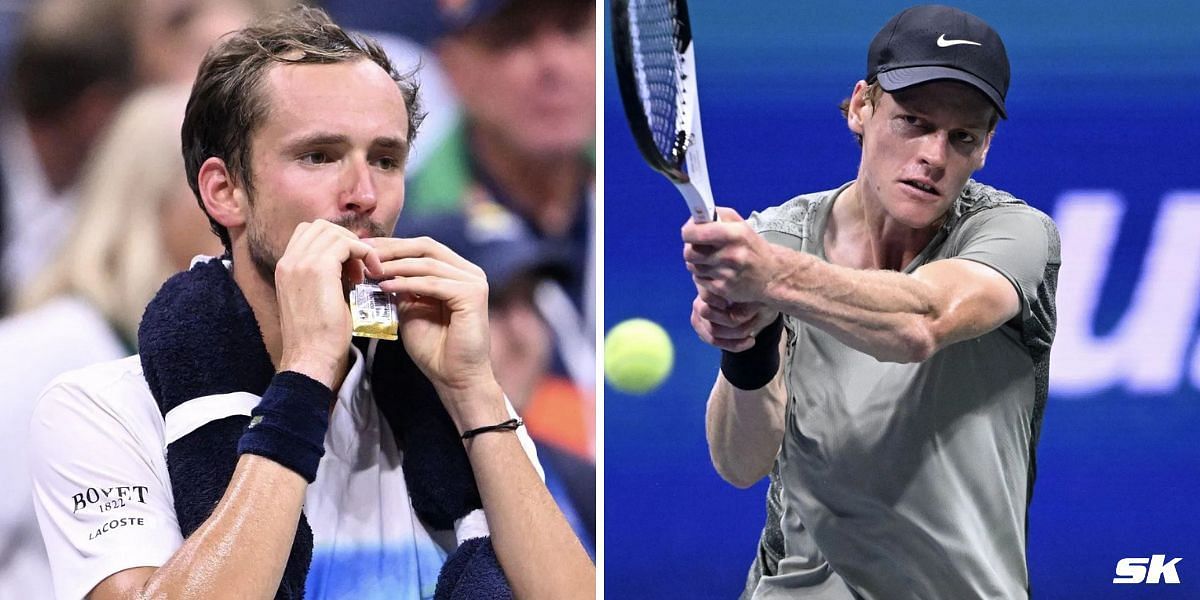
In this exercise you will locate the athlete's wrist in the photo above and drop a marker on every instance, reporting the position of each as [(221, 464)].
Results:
[(755, 367), (475, 406), (316, 365)]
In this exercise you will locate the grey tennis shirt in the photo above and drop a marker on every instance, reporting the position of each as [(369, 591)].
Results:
[(913, 480)]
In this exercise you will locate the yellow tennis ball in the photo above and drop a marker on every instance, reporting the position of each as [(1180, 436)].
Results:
[(638, 356)]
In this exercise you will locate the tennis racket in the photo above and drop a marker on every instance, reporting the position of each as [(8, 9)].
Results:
[(656, 71)]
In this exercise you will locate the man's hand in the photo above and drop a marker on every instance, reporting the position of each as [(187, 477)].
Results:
[(726, 325), (442, 300), (443, 305), (729, 259), (313, 319)]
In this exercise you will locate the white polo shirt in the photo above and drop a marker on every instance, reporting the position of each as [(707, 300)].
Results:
[(104, 503)]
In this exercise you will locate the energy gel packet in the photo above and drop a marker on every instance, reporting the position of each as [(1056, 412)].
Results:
[(373, 312)]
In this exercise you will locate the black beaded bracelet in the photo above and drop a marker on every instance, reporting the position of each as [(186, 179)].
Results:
[(509, 425)]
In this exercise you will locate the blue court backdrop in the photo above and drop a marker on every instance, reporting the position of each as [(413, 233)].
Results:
[(1103, 136)]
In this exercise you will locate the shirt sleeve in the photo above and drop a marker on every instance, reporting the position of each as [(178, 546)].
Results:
[(1018, 242), (100, 486)]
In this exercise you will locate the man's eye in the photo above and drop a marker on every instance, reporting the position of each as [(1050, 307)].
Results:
[(314, 158), (387, 163), (966, 138), (910, 120)]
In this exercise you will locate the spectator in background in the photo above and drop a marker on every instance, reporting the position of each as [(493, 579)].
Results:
[(138, 224), (522, 156), (68, 78), (173, 35), (522, 348), (73, 64)]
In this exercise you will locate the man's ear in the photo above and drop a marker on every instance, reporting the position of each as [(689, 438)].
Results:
[(857, 112), (225, 201)]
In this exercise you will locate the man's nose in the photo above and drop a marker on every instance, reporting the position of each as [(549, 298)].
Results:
[(934, 147), (358, 187)]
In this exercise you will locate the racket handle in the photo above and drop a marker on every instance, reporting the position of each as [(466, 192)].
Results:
[(700, 202)]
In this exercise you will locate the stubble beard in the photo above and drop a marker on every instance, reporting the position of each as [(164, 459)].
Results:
[(264, 258)]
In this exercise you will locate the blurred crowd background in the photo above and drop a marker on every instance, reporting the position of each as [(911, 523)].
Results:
[(1102, 135), (95, 212)]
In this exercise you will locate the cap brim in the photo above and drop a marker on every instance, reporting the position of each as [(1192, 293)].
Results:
[(898, 79)]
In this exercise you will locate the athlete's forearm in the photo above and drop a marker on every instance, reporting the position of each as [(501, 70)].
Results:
[(745, 428), (239, 552), (886, 314), (535, 545)]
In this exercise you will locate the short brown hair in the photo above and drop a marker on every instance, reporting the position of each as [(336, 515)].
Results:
[(227, 104)]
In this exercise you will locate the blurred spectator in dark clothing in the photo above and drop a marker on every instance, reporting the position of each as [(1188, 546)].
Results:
[(73, 63), (524, 73), (72, 66), (522, 347)]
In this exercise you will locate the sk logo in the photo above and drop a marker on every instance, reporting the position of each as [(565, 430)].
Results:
[(1131, 570)]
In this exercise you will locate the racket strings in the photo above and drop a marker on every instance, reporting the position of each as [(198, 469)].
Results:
[(654, 34)]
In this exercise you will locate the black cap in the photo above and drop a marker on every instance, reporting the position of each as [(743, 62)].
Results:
[(456, 15), (931, 42), (428, 21)]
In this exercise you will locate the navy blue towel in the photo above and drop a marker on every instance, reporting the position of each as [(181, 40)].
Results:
[(199, 337)]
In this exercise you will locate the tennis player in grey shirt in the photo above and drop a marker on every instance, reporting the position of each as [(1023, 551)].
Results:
[(886, 343)]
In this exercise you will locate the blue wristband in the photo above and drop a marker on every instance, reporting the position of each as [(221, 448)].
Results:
[(288, 425), (751, 369)]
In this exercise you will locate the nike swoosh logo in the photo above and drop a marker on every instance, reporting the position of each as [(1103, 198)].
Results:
[(942, 42)]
